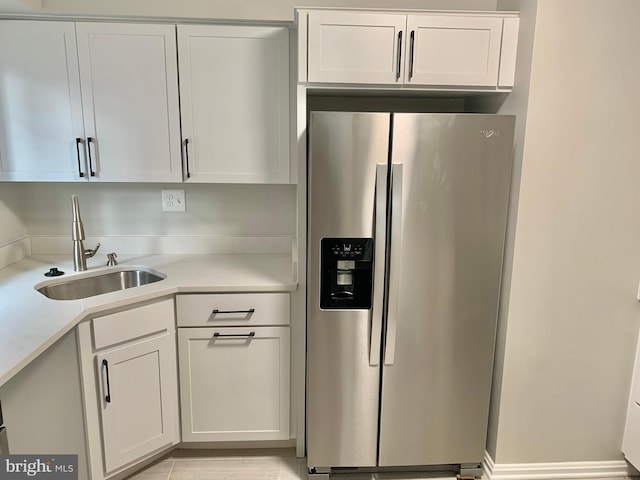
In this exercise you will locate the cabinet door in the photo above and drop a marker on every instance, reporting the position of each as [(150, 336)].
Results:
[(234, 383), (349, 47), (130, 101), (453, 50), (234, 93), (138, 394), (40, 110)]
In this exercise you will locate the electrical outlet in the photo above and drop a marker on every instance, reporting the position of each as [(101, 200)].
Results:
[(173, 201)]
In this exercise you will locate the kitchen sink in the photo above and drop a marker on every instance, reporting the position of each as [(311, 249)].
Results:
[(83, 286)]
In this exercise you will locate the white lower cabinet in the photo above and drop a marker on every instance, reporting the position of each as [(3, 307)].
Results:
[(234, 377), (631, 436), (135, 381), (130, 386)]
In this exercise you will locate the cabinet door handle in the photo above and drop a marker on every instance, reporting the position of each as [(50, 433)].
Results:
[(107, 397), (216, 311), (411, 45), (186, 156), (90, 140), (239, 335), (78, 143), (399, 65)]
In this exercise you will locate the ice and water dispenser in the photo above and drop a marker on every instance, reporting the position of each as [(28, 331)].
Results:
[(346, 273)]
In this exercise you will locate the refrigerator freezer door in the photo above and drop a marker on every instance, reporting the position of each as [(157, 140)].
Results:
[(435, 394), (343, 379)]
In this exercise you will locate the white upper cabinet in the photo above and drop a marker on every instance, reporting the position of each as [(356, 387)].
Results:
[(355, 47), (234, 92), (40, 110), (418, 50), (88, 101), (129, 84), (451, 50)]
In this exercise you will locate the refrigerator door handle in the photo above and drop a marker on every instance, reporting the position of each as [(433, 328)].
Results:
[(396, 253), (379, 263)]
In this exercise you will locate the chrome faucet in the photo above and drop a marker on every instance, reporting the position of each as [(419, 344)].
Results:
[(80, 254)]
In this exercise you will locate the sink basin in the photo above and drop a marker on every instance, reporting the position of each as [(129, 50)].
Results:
[(93, 284)]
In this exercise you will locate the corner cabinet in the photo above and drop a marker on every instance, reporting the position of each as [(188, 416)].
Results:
[(40, 104), (128, 364), (435, 50), (234, 366), (234, 92)]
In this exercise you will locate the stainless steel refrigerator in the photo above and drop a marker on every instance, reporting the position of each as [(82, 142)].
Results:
[(406, 227)]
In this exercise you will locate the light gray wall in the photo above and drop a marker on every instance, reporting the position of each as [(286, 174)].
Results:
[(11, 226), (516, 103), (572, 319), (278, 10), (135, 209)]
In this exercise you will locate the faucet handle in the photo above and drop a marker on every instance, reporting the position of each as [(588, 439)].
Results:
[(91, 252), (111, 259)]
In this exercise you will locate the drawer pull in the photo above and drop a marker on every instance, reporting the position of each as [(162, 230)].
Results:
[(250, 311), (243, 335)]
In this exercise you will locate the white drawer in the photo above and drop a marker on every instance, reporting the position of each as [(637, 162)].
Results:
[(232, 309), (134, 323)]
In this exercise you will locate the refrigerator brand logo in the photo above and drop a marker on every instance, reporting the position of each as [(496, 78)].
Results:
[(490, 133)]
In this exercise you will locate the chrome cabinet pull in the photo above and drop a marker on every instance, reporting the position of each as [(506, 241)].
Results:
[(78, 143), (216, 311), (238, 335), (107, 397), (186, 156), (399, 66), (90, 140), (411, 45)]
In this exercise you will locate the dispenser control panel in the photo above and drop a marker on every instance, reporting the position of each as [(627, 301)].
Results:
[(347, 273), (344, 249)]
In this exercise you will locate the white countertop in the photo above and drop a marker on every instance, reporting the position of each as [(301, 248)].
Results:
[(31, 322)]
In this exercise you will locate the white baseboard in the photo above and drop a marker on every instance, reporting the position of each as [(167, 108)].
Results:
[(14, 251), (556, 470)]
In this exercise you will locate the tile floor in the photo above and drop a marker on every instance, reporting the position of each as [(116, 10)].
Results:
[(256, 464)]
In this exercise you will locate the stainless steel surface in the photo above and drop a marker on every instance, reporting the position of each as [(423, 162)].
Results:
[(377, 307), (111, 259), (342, 393), (89, 286), (435, 396), (447, 206), (394, 263), (80, 254)]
